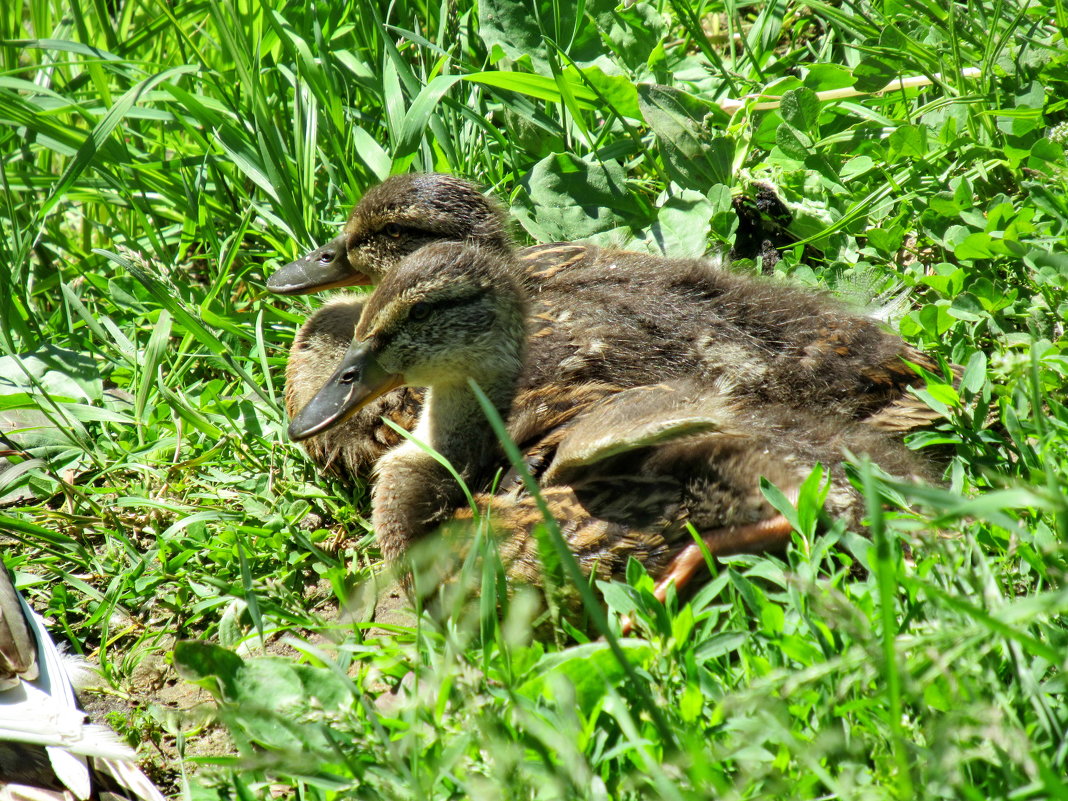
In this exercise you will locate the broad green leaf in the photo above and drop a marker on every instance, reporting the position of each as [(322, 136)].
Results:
[(856, 167), (884, 241), (945, 204), (569, 198), (908, 141), (875, 72), (214, 668), (683, 223), (801, 109), (518, 29), (794, 143), (618, 597), (825, 77), (634, 32), (1026, 114), (974, 376), (618, 91), (948, 285), (1048, 157), (965, 306), (57, 371), (935, 319), (695, 155)]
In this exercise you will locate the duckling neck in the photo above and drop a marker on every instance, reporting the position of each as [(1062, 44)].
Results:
[(455, 425), (414, 493)]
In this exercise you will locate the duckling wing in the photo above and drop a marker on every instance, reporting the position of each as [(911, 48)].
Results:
[(895, 376), (851, 366), (637, 418), (638, 503), (544, 261)]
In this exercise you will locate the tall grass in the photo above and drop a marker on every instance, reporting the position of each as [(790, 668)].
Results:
[(160, 159)]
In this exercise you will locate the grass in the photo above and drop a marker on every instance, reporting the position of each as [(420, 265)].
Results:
[(161, 159)]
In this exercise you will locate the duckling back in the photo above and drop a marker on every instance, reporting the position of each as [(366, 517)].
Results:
[(628, 319)]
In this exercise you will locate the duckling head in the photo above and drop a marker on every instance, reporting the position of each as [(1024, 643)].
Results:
[(448, 313), (392, 220)]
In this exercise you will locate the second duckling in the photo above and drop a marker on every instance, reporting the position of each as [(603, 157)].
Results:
[(631, 477)]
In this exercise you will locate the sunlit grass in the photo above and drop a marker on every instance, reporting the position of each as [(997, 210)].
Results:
[(159, 160)]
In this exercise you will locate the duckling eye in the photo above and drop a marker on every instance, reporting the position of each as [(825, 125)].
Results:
[(392, 229), (419, 311)]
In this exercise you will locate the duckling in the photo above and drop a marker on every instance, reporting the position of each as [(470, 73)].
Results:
[(811, 350), (451, 315), (47, 750), (350, 450), (630, 321), (393, 219)]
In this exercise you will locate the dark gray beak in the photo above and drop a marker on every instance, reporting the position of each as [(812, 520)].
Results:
[(358, 380), (324, 268)]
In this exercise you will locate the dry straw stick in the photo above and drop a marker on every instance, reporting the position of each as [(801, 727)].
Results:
[(731, 106)]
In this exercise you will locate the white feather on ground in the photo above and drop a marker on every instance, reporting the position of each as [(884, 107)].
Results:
[(48, 749)]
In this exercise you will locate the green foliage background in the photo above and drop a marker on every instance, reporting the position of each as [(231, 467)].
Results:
[(161, 158)]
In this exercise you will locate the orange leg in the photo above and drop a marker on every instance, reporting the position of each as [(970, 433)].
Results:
[(773, 533)]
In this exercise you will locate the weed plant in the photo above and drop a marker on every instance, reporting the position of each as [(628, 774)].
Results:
[(160, 159)]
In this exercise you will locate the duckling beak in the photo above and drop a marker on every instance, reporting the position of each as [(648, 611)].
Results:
[(358, 380), (324, 268)]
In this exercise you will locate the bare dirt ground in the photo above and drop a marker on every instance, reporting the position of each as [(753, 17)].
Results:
[(174, 719)]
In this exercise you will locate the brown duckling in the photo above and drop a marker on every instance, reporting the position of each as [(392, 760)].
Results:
[(813, 351), (393, 219), (349, 450), (625, 319), (629, 477), (47, 749)]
